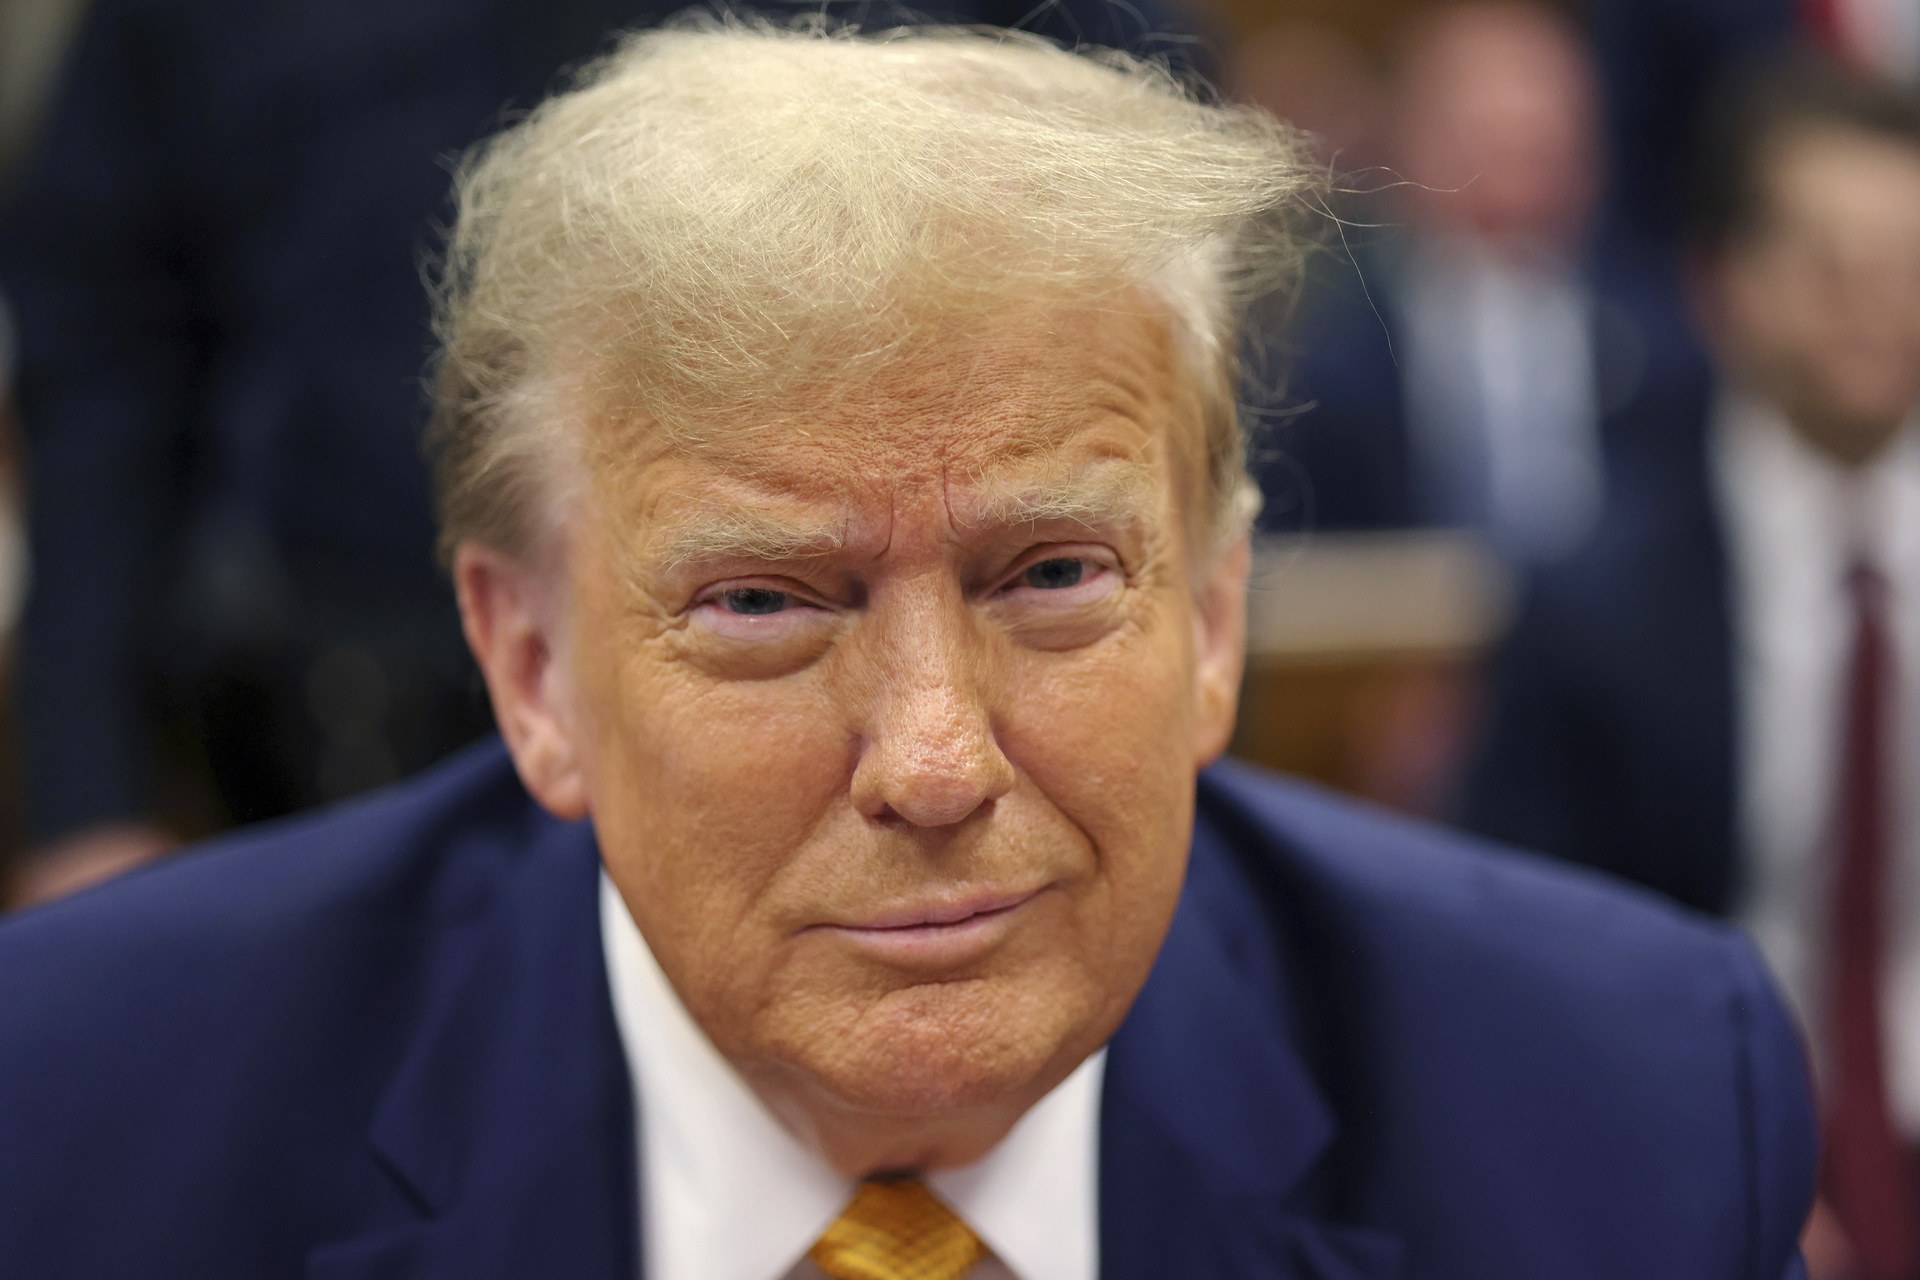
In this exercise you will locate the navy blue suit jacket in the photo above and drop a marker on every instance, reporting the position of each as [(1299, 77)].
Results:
[(1610, 737), (379, 1043)]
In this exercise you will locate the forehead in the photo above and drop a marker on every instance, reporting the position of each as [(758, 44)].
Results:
[(1821, 177), (1036, 396)]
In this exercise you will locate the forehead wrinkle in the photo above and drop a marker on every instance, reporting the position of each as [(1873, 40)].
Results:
[(1002, 436)]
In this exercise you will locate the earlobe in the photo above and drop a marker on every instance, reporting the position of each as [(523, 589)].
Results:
[(1220, 648), (512, 619)]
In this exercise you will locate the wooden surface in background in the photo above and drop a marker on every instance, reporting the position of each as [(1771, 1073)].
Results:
[(1394, 729), (1364, 658)]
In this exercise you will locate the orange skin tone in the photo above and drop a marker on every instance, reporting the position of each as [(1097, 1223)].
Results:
[(898, 689)]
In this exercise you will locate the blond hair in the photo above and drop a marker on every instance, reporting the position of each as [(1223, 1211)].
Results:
[(720, 210)]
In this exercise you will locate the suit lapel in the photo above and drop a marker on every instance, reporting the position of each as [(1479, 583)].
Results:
[(1212, 1128), (508, 1130)]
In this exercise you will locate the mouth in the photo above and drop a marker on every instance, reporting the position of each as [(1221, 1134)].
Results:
[(945, 914), (939, 933)]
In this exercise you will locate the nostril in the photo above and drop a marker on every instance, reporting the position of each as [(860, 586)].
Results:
[(928, 789), (886, 815), (939, 801)]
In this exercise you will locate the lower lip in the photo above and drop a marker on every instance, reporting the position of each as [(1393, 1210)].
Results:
[(936, 945)]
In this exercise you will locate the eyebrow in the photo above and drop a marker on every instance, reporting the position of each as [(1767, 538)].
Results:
[(741, 533), (1108, 493)]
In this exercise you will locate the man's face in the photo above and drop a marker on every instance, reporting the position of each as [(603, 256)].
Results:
[(1819, 308), (888, 708), (1498, 131)]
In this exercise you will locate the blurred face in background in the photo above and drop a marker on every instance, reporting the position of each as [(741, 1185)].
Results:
[(1817, 307), (1496, 122), (887, 710)]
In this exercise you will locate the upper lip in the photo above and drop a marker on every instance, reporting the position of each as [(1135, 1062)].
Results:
[(947, 910)]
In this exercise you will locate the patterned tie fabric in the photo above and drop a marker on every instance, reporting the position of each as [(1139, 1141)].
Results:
[(896, 1230), (1869, 1177)]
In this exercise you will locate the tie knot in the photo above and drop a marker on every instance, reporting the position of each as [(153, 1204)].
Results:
[(896, 1229)]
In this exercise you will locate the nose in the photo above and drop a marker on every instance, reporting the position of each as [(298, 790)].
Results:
[(929, 756)]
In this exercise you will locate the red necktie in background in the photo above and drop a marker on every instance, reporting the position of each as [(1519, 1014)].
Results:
[(1820, 19), (1868, 1177)]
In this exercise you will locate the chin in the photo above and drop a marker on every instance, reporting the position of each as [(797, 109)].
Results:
[(947, 1048)]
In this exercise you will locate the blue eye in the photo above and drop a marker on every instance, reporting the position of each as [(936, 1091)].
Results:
[(755, 600), (1053, 575)]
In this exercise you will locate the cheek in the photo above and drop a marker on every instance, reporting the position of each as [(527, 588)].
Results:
[(700, 792), (1102, 736), (1753, 295)]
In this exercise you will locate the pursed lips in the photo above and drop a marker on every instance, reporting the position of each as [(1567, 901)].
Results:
[(940, 914), (944, 932)]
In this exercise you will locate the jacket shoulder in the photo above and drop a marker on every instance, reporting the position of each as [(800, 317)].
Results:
[(185, 1025), (1511, 1012), (1408, 887), (252, 891)]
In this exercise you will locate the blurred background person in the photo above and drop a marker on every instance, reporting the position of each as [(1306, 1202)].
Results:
[(1660, 59), (1476, 367), (1720, 698), (214, 261)]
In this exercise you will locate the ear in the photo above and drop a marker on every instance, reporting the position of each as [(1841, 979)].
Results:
[(513, 615), (1220, 648)]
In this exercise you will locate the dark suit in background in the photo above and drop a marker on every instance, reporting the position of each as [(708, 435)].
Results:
[(1610, 735), (1659, 61), (379, 1042), (1343, 454)]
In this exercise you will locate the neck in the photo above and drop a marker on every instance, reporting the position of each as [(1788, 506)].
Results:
[(1847, 444), (1849, 441)]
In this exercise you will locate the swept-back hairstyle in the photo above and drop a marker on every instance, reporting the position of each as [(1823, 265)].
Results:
[(721, 210)]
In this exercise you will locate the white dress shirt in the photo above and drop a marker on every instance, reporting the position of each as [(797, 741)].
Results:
[(727, 1193), (1794, 522)]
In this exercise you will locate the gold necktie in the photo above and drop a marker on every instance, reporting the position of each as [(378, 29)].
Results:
[(896, 1230)]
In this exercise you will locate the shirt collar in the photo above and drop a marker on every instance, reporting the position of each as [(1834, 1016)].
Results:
[(713, 1158), (1034, 1198)]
